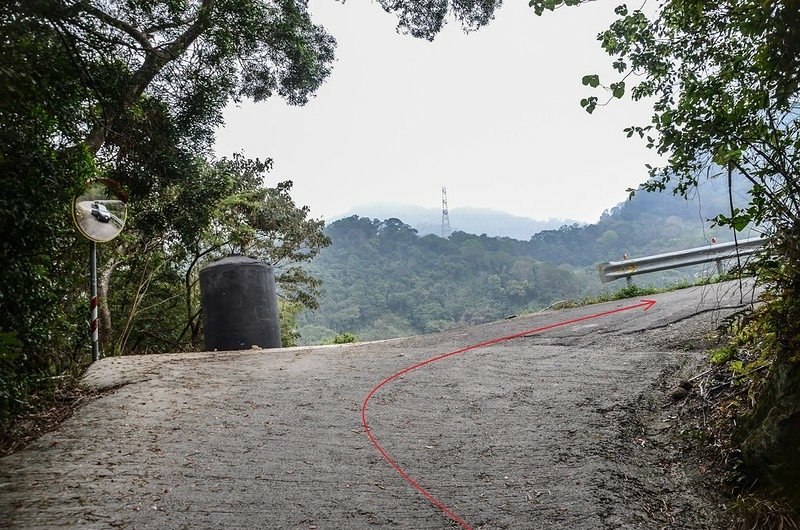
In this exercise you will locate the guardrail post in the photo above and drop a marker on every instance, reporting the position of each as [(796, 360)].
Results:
[(719, 267)]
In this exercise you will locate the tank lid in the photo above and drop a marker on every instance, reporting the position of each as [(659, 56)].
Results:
[(235, 260)]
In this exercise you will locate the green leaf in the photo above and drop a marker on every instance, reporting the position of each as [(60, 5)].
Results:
[(740, 222), (593, 80), (726, 153), (589, 104)]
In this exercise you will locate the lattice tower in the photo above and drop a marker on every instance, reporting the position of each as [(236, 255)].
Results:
[(445, 215)]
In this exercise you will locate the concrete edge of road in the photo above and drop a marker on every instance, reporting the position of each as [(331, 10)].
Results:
[(99, 377)]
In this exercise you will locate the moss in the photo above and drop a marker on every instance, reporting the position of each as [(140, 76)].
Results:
[(723, 355), (769, 436)]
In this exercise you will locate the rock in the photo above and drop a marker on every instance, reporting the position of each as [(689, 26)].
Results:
[(679, 393)]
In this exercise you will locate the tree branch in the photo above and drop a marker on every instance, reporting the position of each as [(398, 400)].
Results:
[(182, 43), (121, 25), (154, 62), (780, 170), (774, 199), (170, 25)]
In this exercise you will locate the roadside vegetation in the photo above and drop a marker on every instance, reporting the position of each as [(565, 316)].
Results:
[(635, 291), (723, 80)]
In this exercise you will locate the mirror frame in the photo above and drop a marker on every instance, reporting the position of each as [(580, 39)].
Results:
[(104, 204)]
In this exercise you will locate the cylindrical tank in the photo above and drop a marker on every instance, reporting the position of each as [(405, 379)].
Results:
[(240, 304)]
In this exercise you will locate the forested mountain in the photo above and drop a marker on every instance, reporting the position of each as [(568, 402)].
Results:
[(382, 279), (471, 220), (649, 223)]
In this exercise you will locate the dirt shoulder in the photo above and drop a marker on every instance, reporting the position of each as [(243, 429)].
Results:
[(573, 427)]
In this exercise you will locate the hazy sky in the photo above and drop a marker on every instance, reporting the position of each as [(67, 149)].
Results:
[(492, 115)]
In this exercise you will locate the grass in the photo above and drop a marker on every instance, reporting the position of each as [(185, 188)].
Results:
[(32, 403), (634, 291), (758, 513)]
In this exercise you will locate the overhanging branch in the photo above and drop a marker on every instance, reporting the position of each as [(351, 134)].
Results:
[(121, 25)]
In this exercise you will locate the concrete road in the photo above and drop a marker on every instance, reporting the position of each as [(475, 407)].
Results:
[(92, 227), (571, 428)]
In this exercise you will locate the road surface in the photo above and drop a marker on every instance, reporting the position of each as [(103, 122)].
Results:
[(571, 428), (95, 229)]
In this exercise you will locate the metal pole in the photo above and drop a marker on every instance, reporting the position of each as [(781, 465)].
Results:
[(93, 292)]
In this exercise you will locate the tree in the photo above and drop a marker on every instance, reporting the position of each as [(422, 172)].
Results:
[(224, 207), (133, 90), (255, 220), (724, 78), (129, 90), (425, 18), (724, 81), (43, 269), (195, 56)]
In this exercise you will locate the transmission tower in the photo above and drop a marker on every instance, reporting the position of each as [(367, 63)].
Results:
[(445, 215)]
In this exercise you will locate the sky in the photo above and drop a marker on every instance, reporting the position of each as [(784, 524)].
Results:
[(493, 115)]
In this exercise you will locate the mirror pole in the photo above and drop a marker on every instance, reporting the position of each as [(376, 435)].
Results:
[(93, 293)]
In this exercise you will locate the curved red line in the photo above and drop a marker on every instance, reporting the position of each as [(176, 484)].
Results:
[(647, 304)]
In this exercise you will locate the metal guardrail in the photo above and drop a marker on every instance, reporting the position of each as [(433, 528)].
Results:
[(614, 270)]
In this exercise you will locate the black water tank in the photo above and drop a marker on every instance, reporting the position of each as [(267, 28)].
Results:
[(240, 304)]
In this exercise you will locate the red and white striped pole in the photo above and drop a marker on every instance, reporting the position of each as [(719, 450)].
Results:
[(93, 293)]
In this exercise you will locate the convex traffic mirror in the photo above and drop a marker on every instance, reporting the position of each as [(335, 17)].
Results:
[(101, 211)]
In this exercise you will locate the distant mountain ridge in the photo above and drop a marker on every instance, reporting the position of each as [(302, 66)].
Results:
[(493, 223)]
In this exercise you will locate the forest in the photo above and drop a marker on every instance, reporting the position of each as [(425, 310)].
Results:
[(382, 280)]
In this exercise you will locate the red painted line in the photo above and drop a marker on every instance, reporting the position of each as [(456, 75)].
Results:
[(647, 304)]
